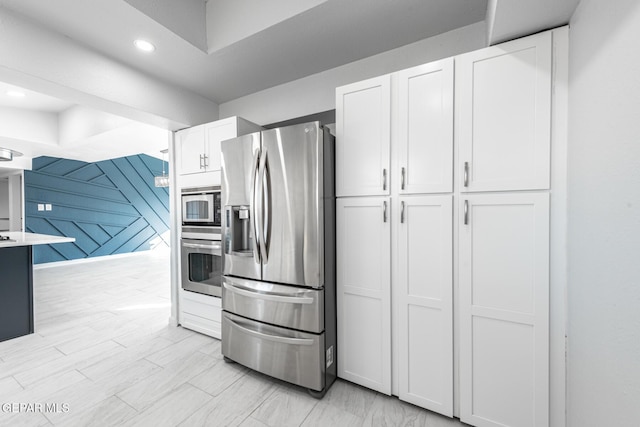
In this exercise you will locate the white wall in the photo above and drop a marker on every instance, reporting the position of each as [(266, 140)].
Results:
[(604, 215), (316, 93)]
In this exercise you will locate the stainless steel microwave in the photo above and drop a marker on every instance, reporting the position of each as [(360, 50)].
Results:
[(201, 206)]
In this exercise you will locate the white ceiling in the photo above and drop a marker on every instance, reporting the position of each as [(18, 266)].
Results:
[(212, 51)]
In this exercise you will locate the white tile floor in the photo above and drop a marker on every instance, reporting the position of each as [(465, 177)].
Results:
[(104, 353)]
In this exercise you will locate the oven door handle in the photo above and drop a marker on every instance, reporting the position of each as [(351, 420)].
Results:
[(268, 297), (275, 338), (215, 246)]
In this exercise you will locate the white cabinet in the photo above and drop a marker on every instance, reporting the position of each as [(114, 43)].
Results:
[(503, 97), (192, 149), (425, 128), (504, 309), (425, 301), (363, 291), (363, 132), (201, 313), (479, 250), (199, 149)]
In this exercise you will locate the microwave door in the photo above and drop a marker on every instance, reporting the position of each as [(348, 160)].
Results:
[(239, 164), (292, 220)]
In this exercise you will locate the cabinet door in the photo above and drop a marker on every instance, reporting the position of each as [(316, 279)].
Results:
[(504, 309), (504, 126), (364, 292), (192, 150), (217, 132), (425, 302), (363, 127), (425, 128)]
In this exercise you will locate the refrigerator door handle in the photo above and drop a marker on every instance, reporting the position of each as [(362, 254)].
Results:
[(268, 297), (252, 207), (275, 338), (262, 203)]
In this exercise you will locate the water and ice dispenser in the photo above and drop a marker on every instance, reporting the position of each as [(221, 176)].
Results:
[(238, 237)]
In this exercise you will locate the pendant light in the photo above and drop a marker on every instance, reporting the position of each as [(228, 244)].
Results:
[(162, 180)]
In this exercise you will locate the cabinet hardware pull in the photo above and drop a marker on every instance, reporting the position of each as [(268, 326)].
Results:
[(206, 163), (466, 174), (401, 212), (384, 211), (466, 212), (402, 179), (201, 159), (384, 179)]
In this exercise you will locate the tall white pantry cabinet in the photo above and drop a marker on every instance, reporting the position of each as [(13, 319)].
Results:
[(451, 191)]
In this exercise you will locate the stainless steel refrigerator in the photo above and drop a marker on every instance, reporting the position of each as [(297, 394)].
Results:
[(278, 237)]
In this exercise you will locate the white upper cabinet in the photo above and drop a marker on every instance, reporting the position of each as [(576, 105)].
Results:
[(425, 301), (504, 116), (425, 128), (192, 148), (199, 150), (363, 127), (504, 309), (363, 245)]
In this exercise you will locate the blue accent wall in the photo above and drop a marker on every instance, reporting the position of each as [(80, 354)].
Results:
[(110, 207)]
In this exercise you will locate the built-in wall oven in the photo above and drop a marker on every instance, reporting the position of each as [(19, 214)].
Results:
[(201, 249)]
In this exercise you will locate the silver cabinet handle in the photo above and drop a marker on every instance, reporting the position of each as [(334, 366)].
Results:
[(466, 174), (384, 211), (206, 160), (402, 179), (384, 179), (267, 297), (276, 338), (201, 160), (401, 212), (466, 212)]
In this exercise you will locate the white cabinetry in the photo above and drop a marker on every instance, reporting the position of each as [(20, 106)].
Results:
[(480, 249), (425, 128), (363, 125), (364, 293), (201, 313), (504, 105), (504, 309), (423, 153), (425, 301), (199, 150)]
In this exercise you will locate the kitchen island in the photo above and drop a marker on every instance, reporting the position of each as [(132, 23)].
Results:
[(16, 280)]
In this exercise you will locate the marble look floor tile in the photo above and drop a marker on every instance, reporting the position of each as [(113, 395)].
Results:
[(107, 413), (323, 415), (173, 408), (8, 388), (78, 360), (179, 350), (144, 393), (78, 397), (235, 404), (350, 397), (286, 406), (219, 377), (252, 422)]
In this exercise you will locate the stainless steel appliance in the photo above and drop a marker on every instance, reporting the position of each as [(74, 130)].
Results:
[(278, 238), (201, 266), (200, 246), (201, 206)]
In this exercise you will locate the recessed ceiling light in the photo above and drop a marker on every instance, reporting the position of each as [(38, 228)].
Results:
[(144, 45), (15, 93)]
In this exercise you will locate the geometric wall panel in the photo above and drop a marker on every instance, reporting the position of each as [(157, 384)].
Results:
[(110, 207)]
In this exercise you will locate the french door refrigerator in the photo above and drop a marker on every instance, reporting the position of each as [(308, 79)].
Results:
[(278, 237)]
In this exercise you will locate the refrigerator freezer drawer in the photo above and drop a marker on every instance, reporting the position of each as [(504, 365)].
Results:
[(282, 305), (292, 356)]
